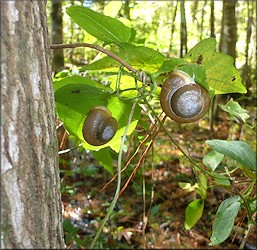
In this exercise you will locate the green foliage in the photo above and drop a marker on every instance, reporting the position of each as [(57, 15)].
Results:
[(221, 75), (103, 156), (224, 220), (76, 95), (237, 150), (234, 108), (105, 28), (213, 159), (194, 212), (139, 57)]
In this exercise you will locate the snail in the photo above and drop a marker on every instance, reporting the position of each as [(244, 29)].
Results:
[(182, 99), (99, 126)]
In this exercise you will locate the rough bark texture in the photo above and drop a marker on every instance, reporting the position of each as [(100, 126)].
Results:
[(30, 193)]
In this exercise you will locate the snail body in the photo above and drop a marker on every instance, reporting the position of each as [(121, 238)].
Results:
[(99, 126), (182, 99)]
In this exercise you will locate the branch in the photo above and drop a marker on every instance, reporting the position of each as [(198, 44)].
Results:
[(96, 47)]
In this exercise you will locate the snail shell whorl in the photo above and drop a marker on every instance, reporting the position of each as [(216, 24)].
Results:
[(182, 99), (99, 126)]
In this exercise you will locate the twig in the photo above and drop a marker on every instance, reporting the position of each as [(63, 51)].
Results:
[(96, 47)]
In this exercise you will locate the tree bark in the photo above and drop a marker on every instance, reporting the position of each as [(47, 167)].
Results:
[(228, 36), (212, 20), (183, 29), (30, 189), (57, 35)]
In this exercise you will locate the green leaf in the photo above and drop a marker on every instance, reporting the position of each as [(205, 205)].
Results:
[(188, 186), (105, 28), (104, 157), (75, 96), (72, 102), (154, 210), (221, 180), (224, 220), (194, 212), (197, 72), (202, 187), (67, 226), (221, 74), (212, 159), (235, 109), (237, 150), (170, 65), (139, 57)]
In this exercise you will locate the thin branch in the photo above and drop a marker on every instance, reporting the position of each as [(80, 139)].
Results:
[(96, 47)]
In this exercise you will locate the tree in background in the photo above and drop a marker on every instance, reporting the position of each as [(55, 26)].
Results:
[(228, 37), (30, 188), (56, 34)]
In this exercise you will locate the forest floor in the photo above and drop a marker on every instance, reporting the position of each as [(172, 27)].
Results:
[(151, 211)]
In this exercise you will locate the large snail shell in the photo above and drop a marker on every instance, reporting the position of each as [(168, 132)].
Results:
[(99, 126), (182, 99)]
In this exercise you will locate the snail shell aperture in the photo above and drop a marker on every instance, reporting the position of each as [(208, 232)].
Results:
[(182, 99), (99, 126)]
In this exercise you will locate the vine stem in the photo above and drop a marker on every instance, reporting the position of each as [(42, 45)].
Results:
[(96, 47), (116, 196), (177, 145)]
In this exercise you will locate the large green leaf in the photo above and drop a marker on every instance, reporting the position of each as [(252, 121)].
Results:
[(224, 220), (194, 212), (139, 57), (237, 150), (221, 74), (75, 96), (103, 27)]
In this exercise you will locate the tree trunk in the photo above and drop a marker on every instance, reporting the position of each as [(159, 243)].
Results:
[(228, 36), (30, 188), (56, 34), (212, 19), (183, 30)]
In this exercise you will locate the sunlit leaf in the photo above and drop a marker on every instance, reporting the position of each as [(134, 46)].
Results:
[(224, 220), (194, 212), (170, 65), (197, 72), (75, 96), (103, 27), (221, 74), (139, 57), (202, 186)]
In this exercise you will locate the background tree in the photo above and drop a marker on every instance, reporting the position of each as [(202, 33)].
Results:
[(30, 195), (228, 37), (56, 34), (183, 30)]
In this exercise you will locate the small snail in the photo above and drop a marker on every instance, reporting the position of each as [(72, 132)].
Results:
[(182, 99), (99, 126)]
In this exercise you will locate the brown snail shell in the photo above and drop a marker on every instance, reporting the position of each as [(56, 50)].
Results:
[(182, 99), (99, 126)]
